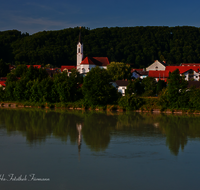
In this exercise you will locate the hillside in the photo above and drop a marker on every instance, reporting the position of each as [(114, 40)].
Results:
[(137, 45)]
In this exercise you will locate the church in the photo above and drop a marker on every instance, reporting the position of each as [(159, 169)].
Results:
[(84, 65)]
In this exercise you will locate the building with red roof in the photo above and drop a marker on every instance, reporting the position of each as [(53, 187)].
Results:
[(3, 84), (90, 62), (159, 75), (35, 66), (190, 72), (86, 64), (67, 68), (190, 64)]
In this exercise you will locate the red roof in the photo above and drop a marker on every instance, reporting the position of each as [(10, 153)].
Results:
[(159, 74), (35, 66), (190, 64), (183, 69), (3, 83), (98, 61), (68, 67)]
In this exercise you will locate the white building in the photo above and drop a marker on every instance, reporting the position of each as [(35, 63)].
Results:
[(85, 65), (157, 66), (121, 86)]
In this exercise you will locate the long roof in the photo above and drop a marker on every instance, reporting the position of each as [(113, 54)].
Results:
[(159, 74), (98, 61), (183, 69), (190, 64)]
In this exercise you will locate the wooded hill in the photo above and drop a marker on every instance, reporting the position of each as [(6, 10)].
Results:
[(137, 45)]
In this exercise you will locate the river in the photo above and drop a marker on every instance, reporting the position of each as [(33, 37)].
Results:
[(72, 150)]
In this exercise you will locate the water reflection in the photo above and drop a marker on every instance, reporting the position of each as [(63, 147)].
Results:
[(96, 129)]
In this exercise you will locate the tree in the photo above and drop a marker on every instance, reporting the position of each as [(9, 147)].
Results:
[(135, 87), (176, 95), (97, 89), (4, 69), (149, 84), (160, 85), (119, 71)]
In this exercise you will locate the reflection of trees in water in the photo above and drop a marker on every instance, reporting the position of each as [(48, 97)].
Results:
[(178, 128), (96, 130), (38, 124), (96, 127)]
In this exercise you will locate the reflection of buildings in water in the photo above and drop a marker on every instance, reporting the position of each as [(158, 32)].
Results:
[(79, 140)]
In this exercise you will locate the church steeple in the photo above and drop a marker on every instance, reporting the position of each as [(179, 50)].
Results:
[(79, 52)]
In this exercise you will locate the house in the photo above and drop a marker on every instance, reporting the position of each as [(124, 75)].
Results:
[(67, 68), (157, 66), (90, 62), (191, 73), (3, 84), (139, 73), (35, 66), (159, 75), (121, 86)]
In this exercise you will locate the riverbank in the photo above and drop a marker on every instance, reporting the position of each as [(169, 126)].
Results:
[(74, 106)]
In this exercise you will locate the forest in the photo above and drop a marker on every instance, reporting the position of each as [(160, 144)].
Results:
[(137, 46)]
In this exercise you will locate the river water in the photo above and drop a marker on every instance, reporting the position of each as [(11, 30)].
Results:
[(60, 149)]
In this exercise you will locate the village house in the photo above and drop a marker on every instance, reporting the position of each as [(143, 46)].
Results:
[(139, 73), (157, 66), (121, 86)]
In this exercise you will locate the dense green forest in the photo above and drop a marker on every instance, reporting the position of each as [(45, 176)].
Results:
[(139, 46)]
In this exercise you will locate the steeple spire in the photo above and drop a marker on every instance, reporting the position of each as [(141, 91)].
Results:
[(80, 37)]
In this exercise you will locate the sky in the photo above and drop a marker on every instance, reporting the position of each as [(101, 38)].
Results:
[(39, 15)]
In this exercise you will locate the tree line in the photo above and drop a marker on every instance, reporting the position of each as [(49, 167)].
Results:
[(139, 46)]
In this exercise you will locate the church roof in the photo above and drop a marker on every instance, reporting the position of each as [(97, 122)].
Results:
[(98, 61)]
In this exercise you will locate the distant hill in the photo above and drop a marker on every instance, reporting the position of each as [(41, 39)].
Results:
[(139, 46)]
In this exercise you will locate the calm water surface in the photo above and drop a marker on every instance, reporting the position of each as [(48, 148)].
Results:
[(91, 150)]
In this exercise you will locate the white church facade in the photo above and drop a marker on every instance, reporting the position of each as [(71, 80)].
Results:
[(84, 65)]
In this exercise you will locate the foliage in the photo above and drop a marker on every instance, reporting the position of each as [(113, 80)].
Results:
[(138, 45), (135, 87), (2, 94), (130, 102), (4, 68), (149, 85), (160, 85), (176, 94), (119, 71), (34, 85), (97, 89), (194, 98)]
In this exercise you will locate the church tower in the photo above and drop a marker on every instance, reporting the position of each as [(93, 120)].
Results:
[(79, 53)]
